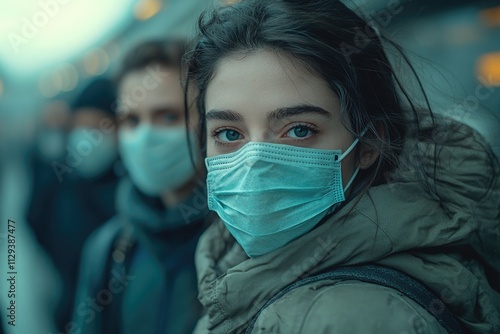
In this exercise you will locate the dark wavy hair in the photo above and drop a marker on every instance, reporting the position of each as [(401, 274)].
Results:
[(167, 53), (324, 35)]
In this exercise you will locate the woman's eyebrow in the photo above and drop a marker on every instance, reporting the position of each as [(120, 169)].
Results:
[(286, 112), (224, 115)]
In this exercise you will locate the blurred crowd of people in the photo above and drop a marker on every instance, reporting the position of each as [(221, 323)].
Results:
[(114, 165), (75, 174)]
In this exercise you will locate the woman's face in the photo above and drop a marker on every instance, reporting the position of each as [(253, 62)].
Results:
[(266, 97)]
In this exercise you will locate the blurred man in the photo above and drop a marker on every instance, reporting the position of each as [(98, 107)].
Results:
[(137, 272)]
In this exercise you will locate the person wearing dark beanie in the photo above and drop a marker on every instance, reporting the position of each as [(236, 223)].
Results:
[(99, 94), (92, 139)]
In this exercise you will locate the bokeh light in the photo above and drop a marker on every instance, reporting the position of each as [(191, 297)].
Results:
[(96, 62), (488, 68), (146, 9), (491, 16)]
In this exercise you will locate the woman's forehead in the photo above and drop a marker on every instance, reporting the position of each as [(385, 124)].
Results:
[(266, 80)]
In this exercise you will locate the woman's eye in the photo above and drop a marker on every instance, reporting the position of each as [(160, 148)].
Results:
[(228, 135), (299, 131)]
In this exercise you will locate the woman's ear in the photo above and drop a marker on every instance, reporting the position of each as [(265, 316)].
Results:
[(367, 156)]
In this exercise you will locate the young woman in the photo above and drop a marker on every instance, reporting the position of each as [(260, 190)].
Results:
[(342, 210)]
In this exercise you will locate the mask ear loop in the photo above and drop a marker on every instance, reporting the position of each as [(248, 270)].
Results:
[(354, 174), (353, 145), (356, 171)]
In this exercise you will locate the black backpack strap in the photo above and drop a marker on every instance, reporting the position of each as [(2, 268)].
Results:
[(380, 275), (119, 262)]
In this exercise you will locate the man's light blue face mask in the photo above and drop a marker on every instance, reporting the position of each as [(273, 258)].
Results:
[(271, 194), (157, 159)]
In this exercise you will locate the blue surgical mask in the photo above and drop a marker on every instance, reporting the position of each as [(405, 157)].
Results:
[(96, 149), (271, 194), (157, 159)]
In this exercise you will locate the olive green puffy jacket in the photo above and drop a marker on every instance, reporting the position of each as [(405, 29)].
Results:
[(399, 225)]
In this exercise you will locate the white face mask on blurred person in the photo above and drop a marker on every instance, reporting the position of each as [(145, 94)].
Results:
[(51, 143), (97, 150)]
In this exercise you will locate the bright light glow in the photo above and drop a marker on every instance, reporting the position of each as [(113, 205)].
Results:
[(489, 69), (39, 34)]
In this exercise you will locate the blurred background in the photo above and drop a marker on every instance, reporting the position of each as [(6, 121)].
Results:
[(51, 49)]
